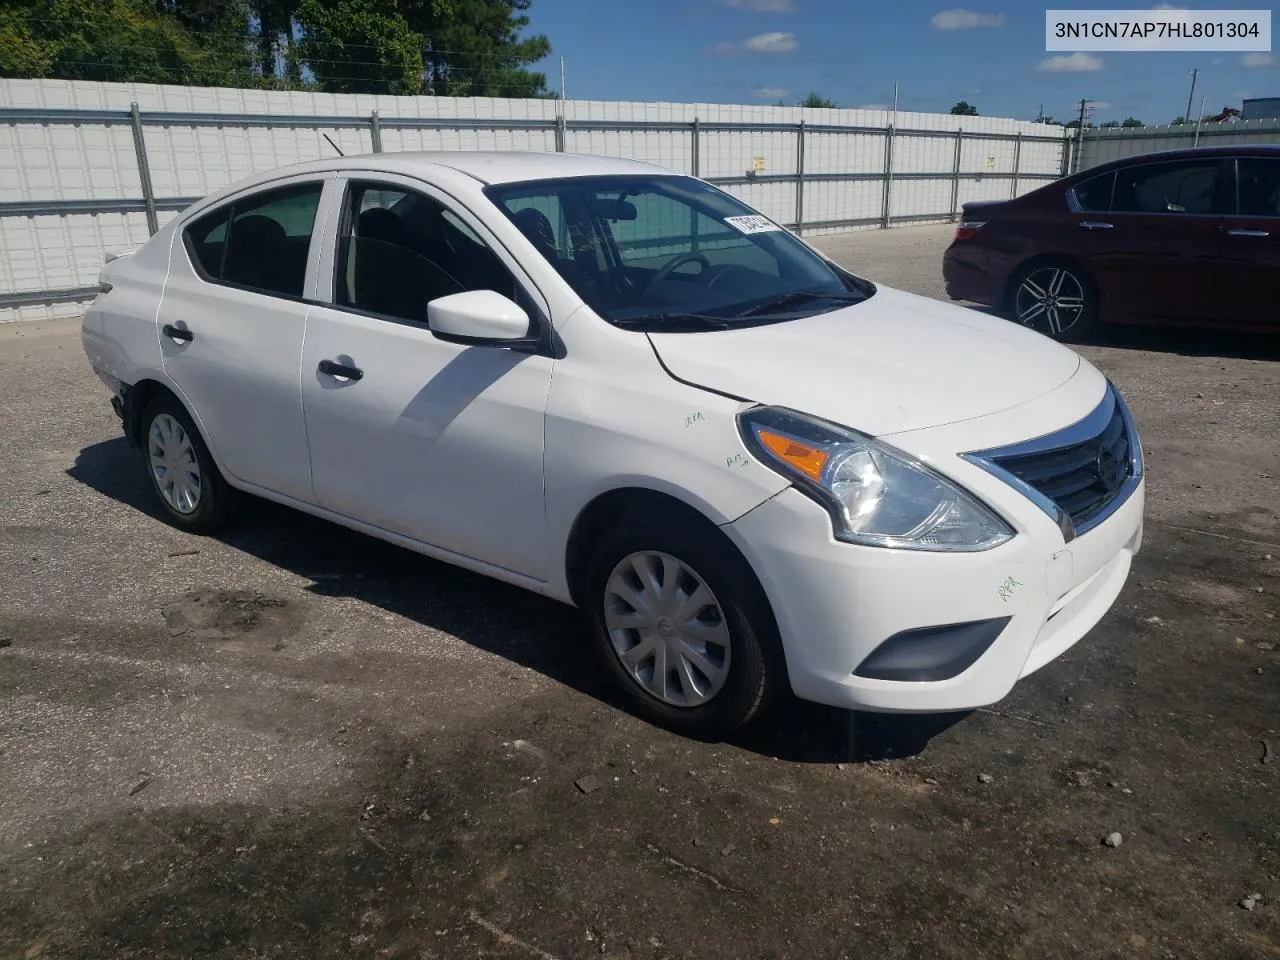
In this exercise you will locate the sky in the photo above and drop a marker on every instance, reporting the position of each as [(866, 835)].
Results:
[(990, 54)]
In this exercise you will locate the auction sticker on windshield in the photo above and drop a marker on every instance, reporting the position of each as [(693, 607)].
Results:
[(752, 224)]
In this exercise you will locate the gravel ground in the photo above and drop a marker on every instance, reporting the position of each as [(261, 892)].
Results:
[(292, 741)]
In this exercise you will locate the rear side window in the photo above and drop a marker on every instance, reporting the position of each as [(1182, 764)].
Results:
[(1179, 187), (260, 242), (1094, 196), (1258, 187)]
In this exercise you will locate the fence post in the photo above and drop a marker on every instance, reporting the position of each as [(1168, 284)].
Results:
[(955, 175), (375, 131), (693, 149), (888, 176), (144, 169), (1017, 161), (799, 177), (560, 129)]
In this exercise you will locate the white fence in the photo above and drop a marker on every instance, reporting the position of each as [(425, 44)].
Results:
[(91, 168), (1101, 145)]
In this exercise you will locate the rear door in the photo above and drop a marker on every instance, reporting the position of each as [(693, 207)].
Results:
[(1248, 288), (1153, 247), (231, 327)]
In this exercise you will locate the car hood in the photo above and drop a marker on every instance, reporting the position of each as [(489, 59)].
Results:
[(893, 363)]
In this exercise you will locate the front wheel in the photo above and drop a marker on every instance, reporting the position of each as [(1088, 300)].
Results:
[(1055, 298), (683, 626)]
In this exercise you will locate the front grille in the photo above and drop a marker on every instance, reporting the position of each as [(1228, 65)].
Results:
[(1077, 475), (1081, 479)]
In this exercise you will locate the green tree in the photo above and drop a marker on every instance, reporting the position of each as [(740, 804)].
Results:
[(359, 46), (817, 100), (474, 48), (964, 109), (116, 40), (1132, 122), (1109, 124)]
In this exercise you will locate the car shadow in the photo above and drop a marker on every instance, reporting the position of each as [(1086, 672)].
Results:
[(1184, 341), (532, 631)]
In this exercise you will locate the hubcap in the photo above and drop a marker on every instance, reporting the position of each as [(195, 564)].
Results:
[(174, 466), (1050, 300), (667, 628)]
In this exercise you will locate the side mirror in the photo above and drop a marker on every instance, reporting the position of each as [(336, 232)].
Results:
[(478, 318)]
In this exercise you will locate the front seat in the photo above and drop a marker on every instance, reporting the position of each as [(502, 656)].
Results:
[(533, 223)]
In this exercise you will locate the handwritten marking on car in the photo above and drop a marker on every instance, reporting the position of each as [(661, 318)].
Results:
[(737, 460), (695, 417), (1006, 588)]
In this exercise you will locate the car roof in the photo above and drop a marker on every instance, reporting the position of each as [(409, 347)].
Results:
[(1186, 153), (489, 167)]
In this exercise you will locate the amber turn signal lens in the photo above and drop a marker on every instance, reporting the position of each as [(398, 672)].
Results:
[(808, 460)]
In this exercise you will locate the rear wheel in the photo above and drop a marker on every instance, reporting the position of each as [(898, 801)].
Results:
[(683, 626), (1056, 298), (186, 481)]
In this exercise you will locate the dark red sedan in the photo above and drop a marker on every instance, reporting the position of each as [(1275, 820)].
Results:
[(1187, 237)]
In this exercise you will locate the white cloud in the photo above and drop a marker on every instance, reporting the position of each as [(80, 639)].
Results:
[(965, 20), (769, 93), (762, 6), (1257, 60), (1168, 6), (1072, 63), (1100, 104), (771, 43)]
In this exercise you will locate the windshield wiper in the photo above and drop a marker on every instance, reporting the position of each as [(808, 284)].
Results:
[(704, 320), (797, 296)]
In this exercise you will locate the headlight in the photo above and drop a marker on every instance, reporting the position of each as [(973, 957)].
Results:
[(876, 496)]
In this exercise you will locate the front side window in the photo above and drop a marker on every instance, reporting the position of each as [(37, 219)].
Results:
[(661, 251), (1258, 187), (260, 241), (400, 249), (1180, 187)]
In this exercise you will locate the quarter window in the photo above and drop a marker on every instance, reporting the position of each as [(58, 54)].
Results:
[(1179, 187), (400, 249), (260, 242)]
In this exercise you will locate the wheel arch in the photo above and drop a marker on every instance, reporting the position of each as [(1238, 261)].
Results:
[(610, 507), (141, 393)]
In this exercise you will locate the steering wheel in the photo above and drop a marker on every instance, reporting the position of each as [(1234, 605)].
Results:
[(679, 260)]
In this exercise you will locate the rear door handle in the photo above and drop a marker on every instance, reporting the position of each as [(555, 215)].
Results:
[(1096, 225), (177, 333), (1248, 233), (339, 371)]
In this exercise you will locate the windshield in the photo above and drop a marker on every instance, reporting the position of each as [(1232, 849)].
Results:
[(671, 252)]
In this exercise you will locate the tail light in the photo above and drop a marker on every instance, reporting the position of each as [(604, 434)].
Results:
[(969, 228)]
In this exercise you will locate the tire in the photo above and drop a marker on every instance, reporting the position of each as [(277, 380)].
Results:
[(683, 553), (200, 500), (1038, 294)]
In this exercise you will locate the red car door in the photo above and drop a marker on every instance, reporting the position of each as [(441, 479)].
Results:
[(1248, 284), (1154, 252)]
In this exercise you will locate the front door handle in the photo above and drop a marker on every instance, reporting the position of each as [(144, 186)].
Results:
[(177, 333), (339, 371), (1096, 225), (1248, 233)]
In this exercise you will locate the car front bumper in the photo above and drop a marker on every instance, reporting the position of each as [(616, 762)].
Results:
[(836, 602)]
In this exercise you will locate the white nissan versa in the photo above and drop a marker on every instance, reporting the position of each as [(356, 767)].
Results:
[(622, 388)]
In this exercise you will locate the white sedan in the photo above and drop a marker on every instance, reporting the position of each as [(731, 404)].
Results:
[(621, 387)]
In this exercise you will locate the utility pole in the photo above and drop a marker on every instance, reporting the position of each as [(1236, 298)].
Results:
[(1080, 133), (562, 78), (1196, 142), (1187, 116)]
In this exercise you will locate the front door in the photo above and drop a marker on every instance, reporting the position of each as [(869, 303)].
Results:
[(231, 326), (1248, 287), (1154, 253), (436, 441)]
